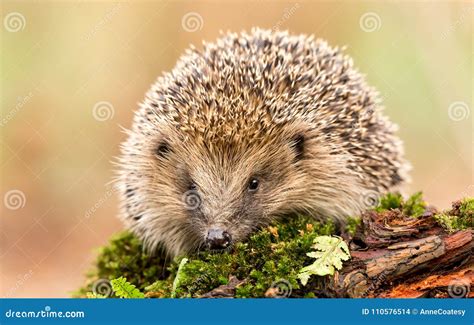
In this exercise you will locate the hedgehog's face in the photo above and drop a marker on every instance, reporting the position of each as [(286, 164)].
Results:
[(202, 195), (227, 190)]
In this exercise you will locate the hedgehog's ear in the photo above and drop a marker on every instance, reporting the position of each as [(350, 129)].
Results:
[(162, 148), (297, 144)]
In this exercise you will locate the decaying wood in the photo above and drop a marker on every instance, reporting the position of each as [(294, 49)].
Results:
[(398, 256), (226, 290), (456, 284)]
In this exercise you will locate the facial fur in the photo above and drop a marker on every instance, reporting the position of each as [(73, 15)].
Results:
[(251, 128)]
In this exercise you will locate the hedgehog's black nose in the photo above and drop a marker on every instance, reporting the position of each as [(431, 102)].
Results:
[(218, 239)]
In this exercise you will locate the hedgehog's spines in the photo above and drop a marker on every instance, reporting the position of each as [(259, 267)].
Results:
[(250, 94)]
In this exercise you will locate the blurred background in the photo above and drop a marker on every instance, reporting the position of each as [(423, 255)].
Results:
[(72, 73)]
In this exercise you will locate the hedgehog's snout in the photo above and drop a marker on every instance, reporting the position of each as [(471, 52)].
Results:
[(217, 239)]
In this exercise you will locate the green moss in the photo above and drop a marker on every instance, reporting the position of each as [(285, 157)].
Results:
[(466, 209), (450, 223), (352, 224), (277, 252), (274, 253), (124, 256), (414, 206), (460, 217), (390, 201)]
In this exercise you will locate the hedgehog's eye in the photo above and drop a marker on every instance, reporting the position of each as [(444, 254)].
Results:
[(162, 149), (253, 185), (192, 186), (298, 146)]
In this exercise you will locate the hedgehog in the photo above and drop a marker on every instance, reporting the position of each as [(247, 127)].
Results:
[(247, 130)]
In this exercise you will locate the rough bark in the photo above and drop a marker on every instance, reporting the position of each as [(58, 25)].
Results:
[(398, 256)]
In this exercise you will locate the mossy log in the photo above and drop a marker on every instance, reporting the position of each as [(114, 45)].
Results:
[(392, 255), (398, 249)]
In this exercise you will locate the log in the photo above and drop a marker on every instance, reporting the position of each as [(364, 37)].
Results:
[(399, 249), (396, 256)]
